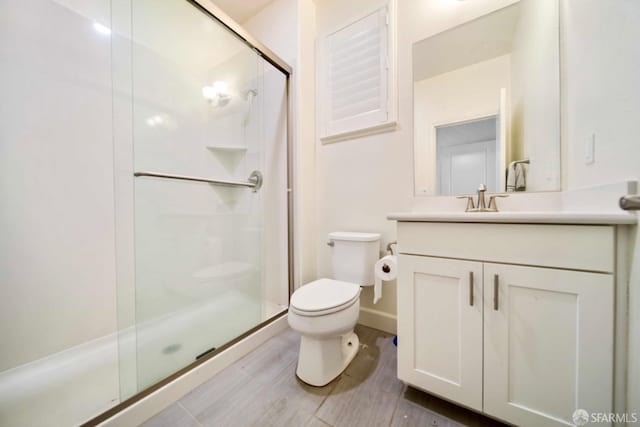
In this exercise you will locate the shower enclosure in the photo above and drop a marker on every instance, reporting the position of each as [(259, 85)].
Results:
[(156, 136)]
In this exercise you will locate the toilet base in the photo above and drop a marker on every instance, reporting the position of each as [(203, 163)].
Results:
[(322, 359)]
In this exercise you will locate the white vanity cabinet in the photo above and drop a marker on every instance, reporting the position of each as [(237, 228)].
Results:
[(514, 320)]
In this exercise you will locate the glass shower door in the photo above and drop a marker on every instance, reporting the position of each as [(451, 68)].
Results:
[(200, 112)]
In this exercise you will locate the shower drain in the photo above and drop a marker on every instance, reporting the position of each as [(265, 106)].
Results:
[(170, 349)]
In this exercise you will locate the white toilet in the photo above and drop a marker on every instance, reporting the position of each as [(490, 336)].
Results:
[(325, 311)]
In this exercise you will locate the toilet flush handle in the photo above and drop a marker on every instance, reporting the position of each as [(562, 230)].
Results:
[(331, 243)]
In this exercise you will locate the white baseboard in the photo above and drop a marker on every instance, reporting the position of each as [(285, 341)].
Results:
[(378, 320), (170, 393)]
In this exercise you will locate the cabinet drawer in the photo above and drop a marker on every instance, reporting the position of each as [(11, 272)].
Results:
[(580, 247)]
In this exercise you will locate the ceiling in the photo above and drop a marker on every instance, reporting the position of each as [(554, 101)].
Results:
[(484, 38), (241, 10)]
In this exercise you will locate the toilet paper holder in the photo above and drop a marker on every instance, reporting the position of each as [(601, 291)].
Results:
[(390, 249), (385, 267)]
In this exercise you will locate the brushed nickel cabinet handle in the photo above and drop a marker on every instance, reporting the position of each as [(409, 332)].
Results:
[(496, 288), (471, 288)]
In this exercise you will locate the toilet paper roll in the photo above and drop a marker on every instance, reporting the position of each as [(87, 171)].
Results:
[(386, 268)]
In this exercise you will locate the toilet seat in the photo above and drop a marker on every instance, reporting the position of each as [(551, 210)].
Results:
[(324, 296)]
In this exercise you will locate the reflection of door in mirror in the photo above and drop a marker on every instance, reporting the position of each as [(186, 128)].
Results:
[(459, 96), (467, 155)]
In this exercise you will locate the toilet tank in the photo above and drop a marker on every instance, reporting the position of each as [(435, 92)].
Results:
[(353, 256)]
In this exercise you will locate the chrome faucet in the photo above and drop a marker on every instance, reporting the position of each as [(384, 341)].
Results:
[(481, 205)]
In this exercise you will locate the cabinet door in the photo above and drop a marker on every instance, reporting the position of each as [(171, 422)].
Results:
[(440, 327), (548, 346)]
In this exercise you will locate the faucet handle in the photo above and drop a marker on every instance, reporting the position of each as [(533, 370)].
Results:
[(492, 201), (470, 205)]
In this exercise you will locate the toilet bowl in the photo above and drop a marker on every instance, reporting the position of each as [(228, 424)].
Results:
[(326, 311)]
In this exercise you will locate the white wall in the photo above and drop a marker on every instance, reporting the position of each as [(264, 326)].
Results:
[(57, 254), (464, 94), (276, 26), (601, 96), (601, 65)]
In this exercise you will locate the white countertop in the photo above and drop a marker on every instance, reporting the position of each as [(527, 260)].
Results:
[(561, 217)]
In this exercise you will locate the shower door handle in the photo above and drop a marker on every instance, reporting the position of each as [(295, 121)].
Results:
[(254, 181)]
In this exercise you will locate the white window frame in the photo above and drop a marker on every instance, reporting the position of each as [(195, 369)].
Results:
[(359, 126)]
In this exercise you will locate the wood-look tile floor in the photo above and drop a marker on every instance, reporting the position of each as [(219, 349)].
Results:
[(262, 389)]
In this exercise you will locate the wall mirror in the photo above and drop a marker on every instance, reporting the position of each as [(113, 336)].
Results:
[(487, 103)]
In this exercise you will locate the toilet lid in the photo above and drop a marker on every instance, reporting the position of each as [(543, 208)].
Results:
[(324, 294)]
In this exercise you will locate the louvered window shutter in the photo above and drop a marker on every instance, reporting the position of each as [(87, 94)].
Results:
[(355, 91)]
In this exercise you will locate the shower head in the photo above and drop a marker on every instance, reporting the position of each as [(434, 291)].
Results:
[(250, 94)]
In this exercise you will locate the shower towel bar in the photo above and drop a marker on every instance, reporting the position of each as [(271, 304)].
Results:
[(254, 181)]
